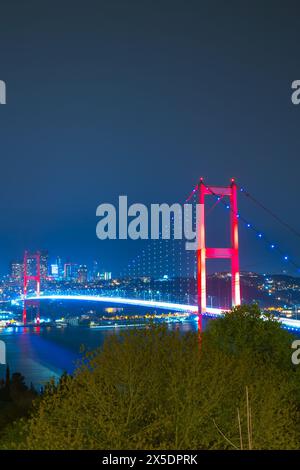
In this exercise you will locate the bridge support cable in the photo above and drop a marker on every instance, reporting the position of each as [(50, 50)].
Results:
[(270, 212), (250, 226)]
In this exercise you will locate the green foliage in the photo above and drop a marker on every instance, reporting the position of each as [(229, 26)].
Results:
[(15, 400), (157, 389), (245, 331)]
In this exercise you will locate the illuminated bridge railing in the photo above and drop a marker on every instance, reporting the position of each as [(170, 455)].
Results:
[(290, 324), (140, 294)]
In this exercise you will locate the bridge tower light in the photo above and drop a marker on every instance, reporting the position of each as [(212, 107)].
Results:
[(232, 252)]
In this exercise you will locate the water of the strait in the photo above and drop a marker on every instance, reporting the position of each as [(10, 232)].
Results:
[(40, 354)]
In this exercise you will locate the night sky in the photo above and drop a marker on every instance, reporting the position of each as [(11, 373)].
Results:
[(141, 98)]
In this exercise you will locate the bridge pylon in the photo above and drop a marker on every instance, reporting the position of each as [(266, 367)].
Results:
[(231, 252), (34, 274)]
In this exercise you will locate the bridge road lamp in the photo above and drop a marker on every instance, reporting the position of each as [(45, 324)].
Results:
[(231, 252)]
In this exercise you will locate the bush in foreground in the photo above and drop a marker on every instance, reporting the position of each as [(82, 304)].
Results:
[(160, 389)]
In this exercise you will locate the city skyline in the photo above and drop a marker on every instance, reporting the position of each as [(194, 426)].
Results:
[(56, 264), (57, 268)]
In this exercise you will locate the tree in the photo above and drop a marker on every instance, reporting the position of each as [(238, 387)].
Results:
[(245, 330), (157, 389)]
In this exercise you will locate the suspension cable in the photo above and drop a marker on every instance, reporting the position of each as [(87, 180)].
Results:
[(258, 233), (269, 211)]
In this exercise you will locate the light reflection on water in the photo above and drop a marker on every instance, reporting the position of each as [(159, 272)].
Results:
[(46, 352)]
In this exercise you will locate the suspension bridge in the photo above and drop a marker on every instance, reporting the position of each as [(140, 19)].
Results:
[(163, 253)]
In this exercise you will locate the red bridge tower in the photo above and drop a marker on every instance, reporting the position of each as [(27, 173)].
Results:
[(203, 252), (35, 257)]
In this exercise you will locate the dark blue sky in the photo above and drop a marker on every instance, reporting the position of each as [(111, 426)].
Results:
[(141, 98)]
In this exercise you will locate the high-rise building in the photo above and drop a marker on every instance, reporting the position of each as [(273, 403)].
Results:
[(82, 274), (70, 271), (67, 271), (31, 267), (54, 271), (95, 271), (44, 264), (106, 276), (17, 271), (59, 267)]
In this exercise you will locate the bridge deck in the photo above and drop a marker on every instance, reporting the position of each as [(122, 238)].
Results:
[(288, 323)]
